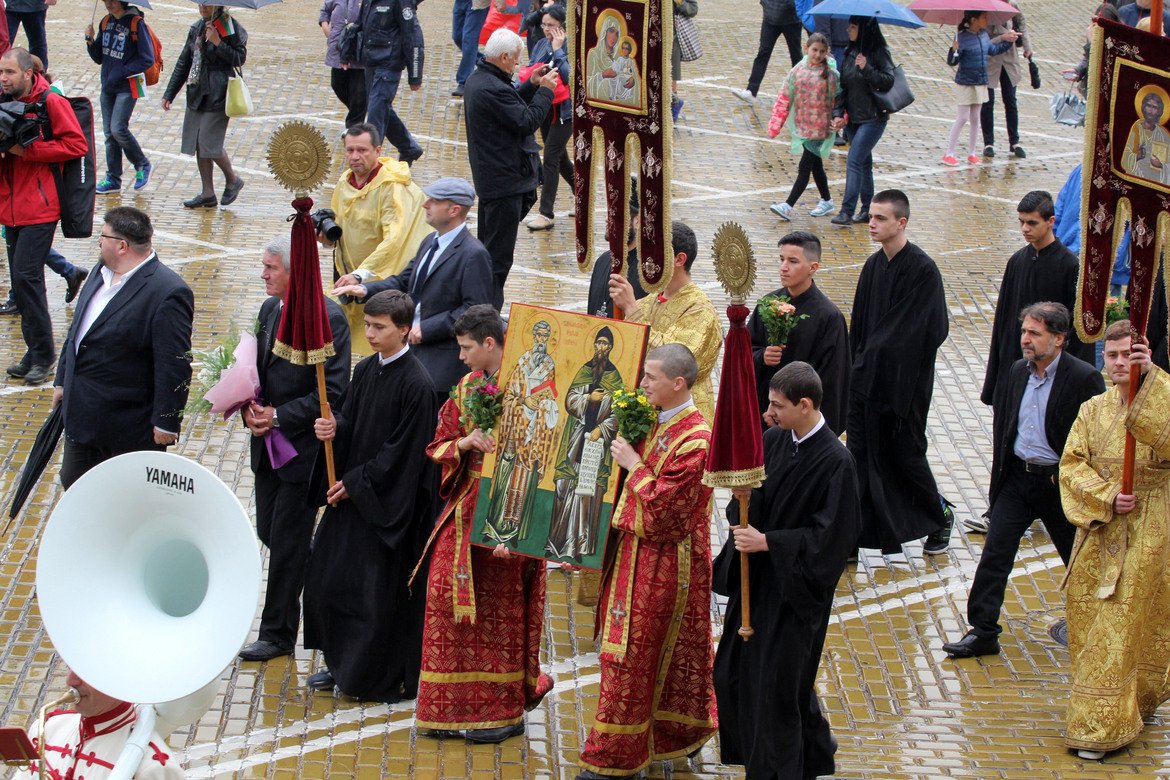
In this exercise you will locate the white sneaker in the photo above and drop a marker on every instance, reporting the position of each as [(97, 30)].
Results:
[(977, 525), (745, 96), (782, 210), (823, 208), (1091, 755)]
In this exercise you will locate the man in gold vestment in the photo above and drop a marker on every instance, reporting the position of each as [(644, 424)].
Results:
[(1118, 586), (680, 314), (657, 697)]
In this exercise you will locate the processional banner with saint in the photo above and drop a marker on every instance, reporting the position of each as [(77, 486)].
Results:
[(1126, 171), (547, 491)]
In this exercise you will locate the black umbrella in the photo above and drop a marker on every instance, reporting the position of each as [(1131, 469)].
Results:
[(38, 457)]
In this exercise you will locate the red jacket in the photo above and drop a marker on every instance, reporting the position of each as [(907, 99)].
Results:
[(28, 195)]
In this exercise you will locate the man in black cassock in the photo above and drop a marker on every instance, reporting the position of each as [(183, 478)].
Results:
[(358, 610), (804, 526), (821, 340), (899, 322), (600, 302), (1044, 270)]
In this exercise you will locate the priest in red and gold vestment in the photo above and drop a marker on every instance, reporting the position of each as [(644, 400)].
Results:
[(485, 608), (85, 742), (657, 700)]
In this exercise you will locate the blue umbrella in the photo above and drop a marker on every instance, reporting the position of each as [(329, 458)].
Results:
[(883, 11)]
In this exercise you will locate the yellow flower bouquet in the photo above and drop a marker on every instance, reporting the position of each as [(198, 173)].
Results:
[(634, 414)]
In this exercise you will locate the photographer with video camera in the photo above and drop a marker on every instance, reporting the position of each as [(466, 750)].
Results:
[(29, 209), (378, 209)]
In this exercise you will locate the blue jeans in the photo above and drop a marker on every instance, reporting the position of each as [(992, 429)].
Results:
[(466, 23), (381, 87), (34, 28), (116, 110), (859, 165)]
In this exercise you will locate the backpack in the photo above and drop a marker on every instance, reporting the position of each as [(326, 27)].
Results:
[(75, 179), (154, 71)]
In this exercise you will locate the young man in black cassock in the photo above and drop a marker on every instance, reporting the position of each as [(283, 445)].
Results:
[(821, 340), (899, 322), (804, 526), (1044, 270), (358, 610)]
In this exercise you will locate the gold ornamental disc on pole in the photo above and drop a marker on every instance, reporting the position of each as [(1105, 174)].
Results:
[(298, 157), (735, 263)]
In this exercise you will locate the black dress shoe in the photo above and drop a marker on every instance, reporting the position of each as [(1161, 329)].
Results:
[(439, 733), (201, 202), (492, 736), (73, 284), (972, 645), (842, 220), (36, 375), (231, 192), (861, 218), (410, 155), (262, 650), (321, 681), (1059, 632), (9, 307)]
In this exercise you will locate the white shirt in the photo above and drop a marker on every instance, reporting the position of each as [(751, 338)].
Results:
[(820, 424), (441, 243), (385, 361), (102, 298), (666, 414)]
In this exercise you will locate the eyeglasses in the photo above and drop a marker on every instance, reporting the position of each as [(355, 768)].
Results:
[(112, 238), (551, 26)]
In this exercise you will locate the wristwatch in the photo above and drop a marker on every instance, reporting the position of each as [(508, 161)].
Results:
[(275, 419)]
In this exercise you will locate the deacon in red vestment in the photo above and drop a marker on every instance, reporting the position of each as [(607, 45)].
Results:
[(485, 608), (657, 700)]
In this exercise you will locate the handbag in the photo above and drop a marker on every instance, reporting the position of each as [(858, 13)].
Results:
[(898, 96), (239, 100), (1034, 73), (349, 43), (1068, 108), (686, 37), (952, 56)]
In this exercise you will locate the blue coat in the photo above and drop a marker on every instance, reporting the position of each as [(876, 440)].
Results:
[(974, 49), (120, 56), (1068, 226)]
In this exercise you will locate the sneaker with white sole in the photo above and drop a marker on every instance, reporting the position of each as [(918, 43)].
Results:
[(745, 95), (938, 542), (822, 208), (977, 525), (1091, 755), (782, 210)]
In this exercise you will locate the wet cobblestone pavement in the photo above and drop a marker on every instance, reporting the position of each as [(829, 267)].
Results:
[(899, 707)]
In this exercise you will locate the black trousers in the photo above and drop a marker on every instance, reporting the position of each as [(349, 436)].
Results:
[(284, 523), (768, 34), (1022, 498), (76, 459), (1011, 111), (810, 164), (349, 84), (555, 135), (28, 250), (499, 219)]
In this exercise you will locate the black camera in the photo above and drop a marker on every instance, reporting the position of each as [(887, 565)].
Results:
[(15, 127), (324, 221)]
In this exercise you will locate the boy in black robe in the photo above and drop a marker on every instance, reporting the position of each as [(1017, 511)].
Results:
[(899, 322), (804, 525), (821, 340), (358, 609)]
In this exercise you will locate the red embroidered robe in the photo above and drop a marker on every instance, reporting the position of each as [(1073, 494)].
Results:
[(86, 748), (657, 700), (484, 615)]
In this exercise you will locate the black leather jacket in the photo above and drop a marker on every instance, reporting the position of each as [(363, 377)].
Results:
[(392, 37), (218, 63), (857, 86)]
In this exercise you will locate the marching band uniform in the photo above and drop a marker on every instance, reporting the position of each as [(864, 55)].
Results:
[(81, 748)]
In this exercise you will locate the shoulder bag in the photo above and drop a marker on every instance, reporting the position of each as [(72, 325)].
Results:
[(686, 38), (898, 96), (239, 100)]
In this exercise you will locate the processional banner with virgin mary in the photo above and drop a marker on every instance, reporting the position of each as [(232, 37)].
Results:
[(547, 491), (622, 125), (1126, 170)]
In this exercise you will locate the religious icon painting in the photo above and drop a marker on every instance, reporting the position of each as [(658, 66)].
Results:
[(548, 489), (615, 62), (1126, 172)]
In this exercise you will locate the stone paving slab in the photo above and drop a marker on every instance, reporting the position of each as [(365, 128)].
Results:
[(899, 709)]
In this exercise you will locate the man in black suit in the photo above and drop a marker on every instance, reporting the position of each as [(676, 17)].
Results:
[(451, 272), (125, 368), (1034, 412), (288, 407)]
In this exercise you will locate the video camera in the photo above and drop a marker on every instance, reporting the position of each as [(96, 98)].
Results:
[(15, 127)]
